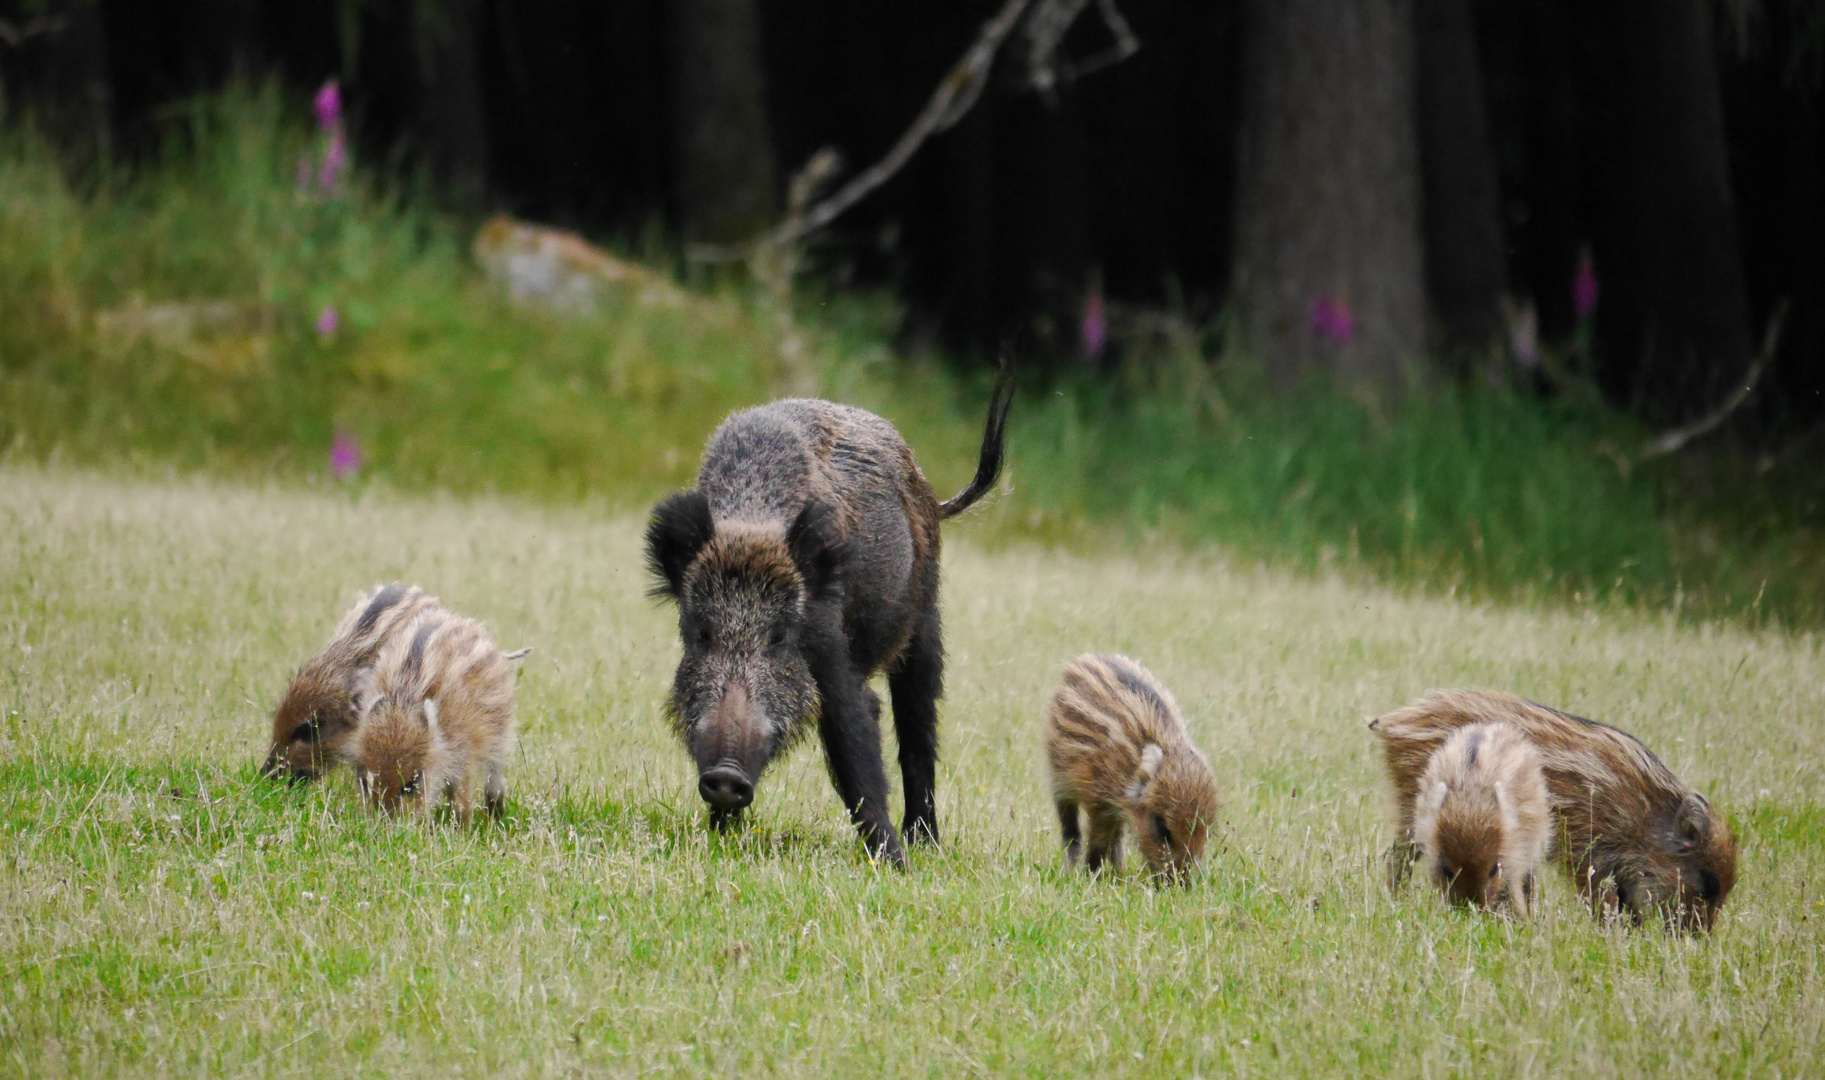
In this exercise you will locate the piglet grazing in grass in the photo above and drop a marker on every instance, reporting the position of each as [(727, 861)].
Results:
[(1637, 839), (1483, 820), (435, 711), (1119, 753), (317, 714)]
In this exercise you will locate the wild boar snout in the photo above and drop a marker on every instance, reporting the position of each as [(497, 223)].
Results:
[(731, 747)]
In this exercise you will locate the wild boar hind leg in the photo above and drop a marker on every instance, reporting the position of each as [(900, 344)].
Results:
[(851, 733), (916, 684)]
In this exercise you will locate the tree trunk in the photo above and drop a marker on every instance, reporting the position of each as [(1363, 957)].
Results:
[(1674, 321), (451, 94), (1466, 258), (724, 154), (1328, 270)]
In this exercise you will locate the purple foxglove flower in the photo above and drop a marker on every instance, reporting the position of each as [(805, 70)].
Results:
[(327, 322), (1584, 288), (328, 105), (1095, 330), (1331, 320), (335, 163), (345, 456)]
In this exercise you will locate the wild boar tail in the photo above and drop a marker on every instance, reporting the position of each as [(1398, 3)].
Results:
[(994, 442)]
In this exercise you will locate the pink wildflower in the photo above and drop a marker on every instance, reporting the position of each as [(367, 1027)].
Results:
[(327, 322), (1331, 320), (1584, 288), (328, 105), (335, 163), (1095, 331), (345, 456)]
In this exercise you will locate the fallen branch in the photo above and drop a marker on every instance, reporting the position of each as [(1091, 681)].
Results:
[(1672, 441)]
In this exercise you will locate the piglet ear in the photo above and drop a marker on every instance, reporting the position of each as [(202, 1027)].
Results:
[(1151, 756), (817, 548), (1694, 820), (1511, 820), (679, 529), (365, 690), (431, 715)]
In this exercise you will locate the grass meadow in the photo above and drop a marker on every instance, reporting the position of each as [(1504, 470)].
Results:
[(163, 911)]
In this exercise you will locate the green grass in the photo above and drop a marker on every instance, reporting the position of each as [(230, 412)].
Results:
[(448, 387), (163, 911)]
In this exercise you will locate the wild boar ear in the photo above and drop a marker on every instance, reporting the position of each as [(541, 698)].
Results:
[(679, 529), (1694, 820), (816, 548), (431, 716), (1151, 756), (1511, 821), (365, 690)]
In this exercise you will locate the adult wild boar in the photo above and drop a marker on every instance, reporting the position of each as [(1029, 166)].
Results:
[(804, 561)]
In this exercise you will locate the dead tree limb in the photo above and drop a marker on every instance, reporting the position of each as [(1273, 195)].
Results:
[(1046, 23), (1045, 32), (955, 95), (1674, 440)]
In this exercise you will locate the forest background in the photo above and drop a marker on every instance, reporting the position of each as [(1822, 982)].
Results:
[(1513, 299)]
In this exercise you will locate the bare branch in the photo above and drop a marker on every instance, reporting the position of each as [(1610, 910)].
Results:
[(1672, 441), (955, 94), (1046, 28)]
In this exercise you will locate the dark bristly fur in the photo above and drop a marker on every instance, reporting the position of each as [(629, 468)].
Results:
[(1119, 752), (1634, 836), (805, 560), (435, 712), (318, 710), (994, 440)]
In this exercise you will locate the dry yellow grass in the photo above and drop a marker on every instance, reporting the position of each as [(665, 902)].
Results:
[(162, 911)]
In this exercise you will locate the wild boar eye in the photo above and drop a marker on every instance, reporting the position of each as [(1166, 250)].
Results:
[(1495, 870), (777, 637), (1445, 873), (1160, 831), (301, 733), (703, 635)]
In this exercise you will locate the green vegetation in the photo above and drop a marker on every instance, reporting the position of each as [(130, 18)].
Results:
[(163, 911), (167, 317)]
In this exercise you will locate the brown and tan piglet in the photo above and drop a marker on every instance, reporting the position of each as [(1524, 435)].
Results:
[(317, 713), (1120, 758), (435, 715), (1635, 838), (1482, 820)]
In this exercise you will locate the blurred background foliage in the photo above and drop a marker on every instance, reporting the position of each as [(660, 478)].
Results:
[(197, 273)]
